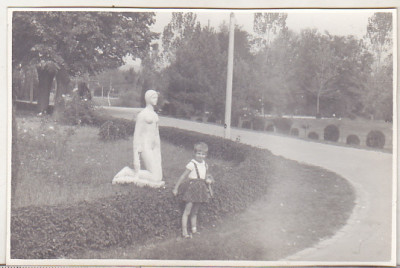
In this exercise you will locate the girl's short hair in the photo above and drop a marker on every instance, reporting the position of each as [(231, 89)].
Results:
[(201, 147)]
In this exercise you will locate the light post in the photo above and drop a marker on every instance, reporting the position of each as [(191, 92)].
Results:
[(228, 100)]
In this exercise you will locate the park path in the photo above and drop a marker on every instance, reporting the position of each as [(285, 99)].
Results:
[(368, 235)]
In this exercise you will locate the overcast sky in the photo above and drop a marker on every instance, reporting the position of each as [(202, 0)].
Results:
[(337, 22)]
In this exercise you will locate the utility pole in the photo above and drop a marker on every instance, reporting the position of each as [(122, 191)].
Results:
[(228, 100)]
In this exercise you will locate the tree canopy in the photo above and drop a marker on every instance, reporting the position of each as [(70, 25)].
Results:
[(79, 42)]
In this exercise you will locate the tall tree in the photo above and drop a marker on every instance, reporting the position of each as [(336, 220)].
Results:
[(380, 36), (266, 27), (330, 66), (378, 98), (180, 29), (78, 42)]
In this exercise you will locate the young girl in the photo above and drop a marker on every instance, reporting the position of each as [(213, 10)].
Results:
[(196, 190)]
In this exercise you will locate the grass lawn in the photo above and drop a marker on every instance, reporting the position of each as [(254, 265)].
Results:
[(63, 165), (56, 168)]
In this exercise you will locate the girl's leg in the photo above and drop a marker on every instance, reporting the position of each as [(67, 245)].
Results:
[(193, 217), (186, 213)]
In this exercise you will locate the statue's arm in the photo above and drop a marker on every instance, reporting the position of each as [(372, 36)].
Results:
[(137, 143), (158, 131)]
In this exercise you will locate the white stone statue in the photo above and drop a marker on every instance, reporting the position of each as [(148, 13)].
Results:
[(146, 148)]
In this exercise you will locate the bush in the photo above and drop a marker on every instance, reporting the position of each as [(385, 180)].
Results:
[(258, 123), (246, 124), (99, 119), (331, 133), (211, 119), (110, 131), (270, 128), (294, 132), (78, 111), (128, 99), (375, 139), (283, 125), (219, 147), (313, 135), (353, 139)]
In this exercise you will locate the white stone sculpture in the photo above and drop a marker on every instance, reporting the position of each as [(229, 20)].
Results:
[(146, 148)]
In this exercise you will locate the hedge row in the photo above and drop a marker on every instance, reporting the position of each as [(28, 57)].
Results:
[(59, 231)]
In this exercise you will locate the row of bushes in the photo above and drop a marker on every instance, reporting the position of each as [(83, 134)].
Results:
[(375, 138), (60, 231), (83, 112)]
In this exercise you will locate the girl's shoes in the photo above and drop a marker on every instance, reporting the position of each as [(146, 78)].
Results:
[(194, 230), (188, 236)]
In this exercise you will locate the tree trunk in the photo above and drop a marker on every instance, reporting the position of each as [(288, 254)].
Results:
[(318, 115), (45, 81), (15, 163), (62, 80)]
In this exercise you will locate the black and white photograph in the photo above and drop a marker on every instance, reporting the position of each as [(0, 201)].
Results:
[(226, 137)]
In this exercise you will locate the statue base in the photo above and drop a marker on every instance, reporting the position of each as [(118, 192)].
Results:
[(128, 175)]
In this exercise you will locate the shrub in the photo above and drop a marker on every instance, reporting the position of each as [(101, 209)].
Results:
[(211, 119), (128, 99), (353, 139), (219, 147), (283, 125), (270, 128), (331, 133), (313, 135), (258, 123), (246, 124), (375, 139), (110, 131), (99, 119), (78, 111), (294, 132)]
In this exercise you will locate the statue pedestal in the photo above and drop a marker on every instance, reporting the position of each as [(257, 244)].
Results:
[(128, 175)]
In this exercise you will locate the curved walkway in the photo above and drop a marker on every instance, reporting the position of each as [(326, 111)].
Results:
[(368, 235)]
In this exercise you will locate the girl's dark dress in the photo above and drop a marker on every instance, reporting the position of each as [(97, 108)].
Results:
[(194, 190)]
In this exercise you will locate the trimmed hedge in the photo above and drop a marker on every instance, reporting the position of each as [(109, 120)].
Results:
[(375, 139), (331, 133), (294, 132), (353, 139), (313, 135), (259, 123), (283, 125), (270, 128), (219, 147), (59, 231)]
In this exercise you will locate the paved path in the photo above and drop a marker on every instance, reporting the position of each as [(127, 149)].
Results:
[(367, 236)]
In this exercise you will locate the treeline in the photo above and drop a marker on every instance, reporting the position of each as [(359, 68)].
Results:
[(276, 71)]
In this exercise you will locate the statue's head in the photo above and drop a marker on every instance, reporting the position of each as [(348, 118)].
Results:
[(151, 97)]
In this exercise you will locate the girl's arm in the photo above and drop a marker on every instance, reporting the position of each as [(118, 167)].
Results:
[(184, 175), (209, 181)]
